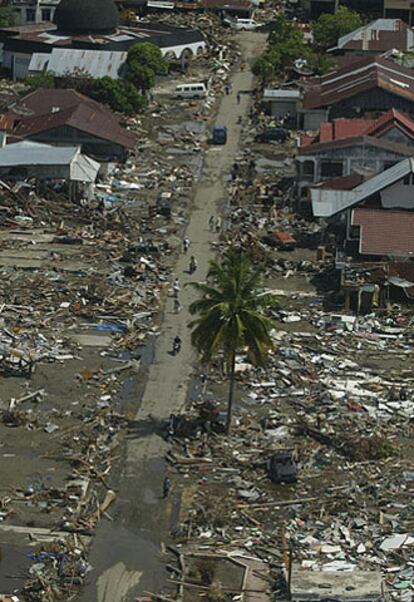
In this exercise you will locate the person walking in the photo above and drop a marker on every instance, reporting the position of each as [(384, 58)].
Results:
[(218, 224), (186, 244), (166, 486), (211, 223), (193, 265), (176, 286), (177, 305), (238, 98)]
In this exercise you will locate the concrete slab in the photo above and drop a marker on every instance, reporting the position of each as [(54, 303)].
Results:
[(91, 340), (342, 586)]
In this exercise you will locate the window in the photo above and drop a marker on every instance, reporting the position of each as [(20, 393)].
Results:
[(46, 14), (308, 168), (30, 15), (331, 169)]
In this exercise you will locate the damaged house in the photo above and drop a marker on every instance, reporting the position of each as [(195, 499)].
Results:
[(374, 222), (65, 117), (366, 88)]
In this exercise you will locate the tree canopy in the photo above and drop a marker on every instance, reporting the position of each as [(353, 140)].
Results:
[(120, 95), (286, 43), (231, 314), (329, 27), (8, 17), (144, 63)]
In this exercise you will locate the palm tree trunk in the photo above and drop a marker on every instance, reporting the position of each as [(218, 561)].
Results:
[(231, 390)]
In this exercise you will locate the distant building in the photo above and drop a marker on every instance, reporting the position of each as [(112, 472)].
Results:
[(399, 9), (315, 8), (90, 25), (34, 11), (376, 37)]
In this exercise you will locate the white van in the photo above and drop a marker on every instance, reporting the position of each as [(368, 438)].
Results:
[(245, 25), (196, 90)]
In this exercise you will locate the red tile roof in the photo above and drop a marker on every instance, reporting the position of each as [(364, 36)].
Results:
[(385, 232), (347, 128), (44, 110), (367, 74), (343, 128)]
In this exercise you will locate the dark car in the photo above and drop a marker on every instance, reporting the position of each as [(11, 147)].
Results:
[(273, 135), (282, 468), (219, 135)]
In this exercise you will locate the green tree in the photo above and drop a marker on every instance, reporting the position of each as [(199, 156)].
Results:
[(286, 43), (120, 95), (144, 62), (264, 67), (321, 63), (231, 315), (41, 80), (8, 17), (328, 28)]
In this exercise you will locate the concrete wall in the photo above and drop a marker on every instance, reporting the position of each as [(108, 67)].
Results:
[(352, 158), (90, 145), (399, 195), (396, 135)]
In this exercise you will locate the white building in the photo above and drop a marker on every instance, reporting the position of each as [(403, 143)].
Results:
[(34, 11)]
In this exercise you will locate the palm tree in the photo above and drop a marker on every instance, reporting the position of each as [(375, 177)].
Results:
[(230, 315)]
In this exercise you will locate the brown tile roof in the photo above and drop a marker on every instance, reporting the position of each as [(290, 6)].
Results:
[(367, 74), (44, 110), (383, 232), (343, 182), (378, 36)]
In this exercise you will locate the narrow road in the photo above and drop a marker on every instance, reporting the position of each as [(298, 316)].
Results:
[(126, 552)]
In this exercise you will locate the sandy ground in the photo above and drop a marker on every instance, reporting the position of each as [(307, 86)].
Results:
[(126, 553)]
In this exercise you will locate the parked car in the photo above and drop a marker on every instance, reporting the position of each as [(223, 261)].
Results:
[(280, 240), (282, 468), (273, 135), (245, 25)]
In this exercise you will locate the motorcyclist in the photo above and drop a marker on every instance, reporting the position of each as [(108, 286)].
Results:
[(177, 344)]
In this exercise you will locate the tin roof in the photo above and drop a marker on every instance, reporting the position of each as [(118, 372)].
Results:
[(96, 63), (327, 203)]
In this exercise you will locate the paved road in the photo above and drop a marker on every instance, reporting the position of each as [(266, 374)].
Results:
[(126, 552)]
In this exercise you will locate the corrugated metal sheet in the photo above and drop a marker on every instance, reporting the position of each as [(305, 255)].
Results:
[(279, 93), (77, 167), (34, 153), (38, 62), (96, 63), (327, 203)]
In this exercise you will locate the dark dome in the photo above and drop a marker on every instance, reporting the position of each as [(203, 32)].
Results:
[(85, 16)]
